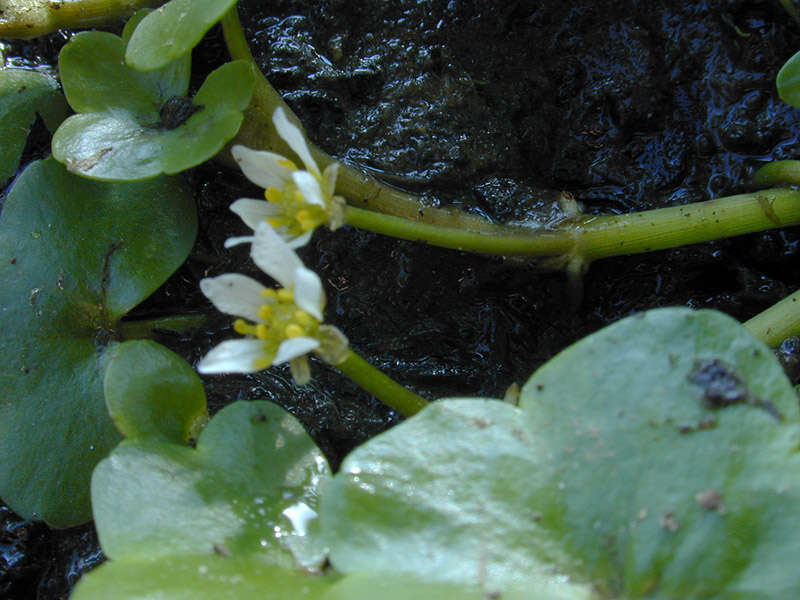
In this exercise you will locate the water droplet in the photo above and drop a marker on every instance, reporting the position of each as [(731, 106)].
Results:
[(300, 515)]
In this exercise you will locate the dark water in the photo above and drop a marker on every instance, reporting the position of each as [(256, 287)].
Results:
[(491, 106)]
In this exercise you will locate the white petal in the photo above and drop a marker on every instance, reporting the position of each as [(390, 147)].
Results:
[(295, 138), (253, 212), (308, 294), (298, 241), (294, 347), (274, 256), (309, 187), (329, 179), (235, 241), (234, 294), (261, 167), (232, 356)]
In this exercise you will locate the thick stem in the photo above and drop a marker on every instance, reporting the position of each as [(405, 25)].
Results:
[(508, 241), (584, 239), (381, 386), (676, 226), (778, 322), (26, 19)]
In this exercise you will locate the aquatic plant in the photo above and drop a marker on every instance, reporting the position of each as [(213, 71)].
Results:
[(653, 458)]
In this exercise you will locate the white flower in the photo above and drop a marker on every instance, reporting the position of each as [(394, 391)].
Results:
[(297, 201), (281, 325)]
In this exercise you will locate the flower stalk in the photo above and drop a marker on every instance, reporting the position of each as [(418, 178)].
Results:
[(381, 386), (778, 322)]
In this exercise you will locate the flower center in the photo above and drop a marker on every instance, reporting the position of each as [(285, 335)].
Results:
[(280, 319), (297, 215)]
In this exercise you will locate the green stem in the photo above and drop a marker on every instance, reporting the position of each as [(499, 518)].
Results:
[(510, 241), (25, 19), (675, 226), (590, 238), (778, 322), (381, 386), (144, 328)]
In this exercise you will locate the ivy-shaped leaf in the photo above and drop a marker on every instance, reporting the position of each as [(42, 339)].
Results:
[(75, 256), (249, 489), (453, 492), (135, 125), (672, 440), (153, 392), (172, 31), (24, 93), (656, 458)]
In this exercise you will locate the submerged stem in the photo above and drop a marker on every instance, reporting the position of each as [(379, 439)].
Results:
[(778, 322), (381, 386)]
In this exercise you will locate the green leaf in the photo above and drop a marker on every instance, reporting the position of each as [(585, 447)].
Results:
[(23, 93), (249, 489), (788, 81), (96, 78), (403, 587), (447, 495), (172, 31), (75, 256), (656, 458), (672, 460), (135, 125), (197, 577), (151, 391)]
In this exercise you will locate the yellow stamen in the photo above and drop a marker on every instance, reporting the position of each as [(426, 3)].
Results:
[(305, 219), (277, 221), (272, 194), (242, 327), (293, 330), (302, 318), (299, 198), (285, 162), (264, 312), (261, 331), (269, 293), (285, 295)]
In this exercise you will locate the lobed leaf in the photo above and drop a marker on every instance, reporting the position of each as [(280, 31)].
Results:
[(788, 81), (23, 94), (136, 125), (249, 489), (75, 256), (654, 459), (152, 392), (171, 31)]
